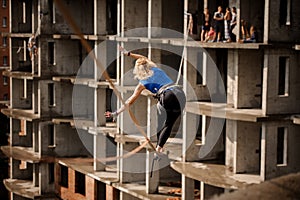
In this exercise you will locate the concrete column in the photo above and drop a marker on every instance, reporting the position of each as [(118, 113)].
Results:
[(149, 20), (265, 82), (263, 152), (152, 182), (36, 178), (122, 17), (39, 139), (230, 151), (99, 17), (35, 137), (187, 188), (187, 183), (129, 170), (118, 17), (266, 21), (238, 18), (100, 106), (202, 193), (43, 178), (99, 151)]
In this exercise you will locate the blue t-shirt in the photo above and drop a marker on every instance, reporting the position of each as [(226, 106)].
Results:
[(157, 80)]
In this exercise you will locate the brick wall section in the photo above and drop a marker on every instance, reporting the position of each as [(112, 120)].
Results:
[(69, 193), (4, 51), (111, 193), (90, 188)]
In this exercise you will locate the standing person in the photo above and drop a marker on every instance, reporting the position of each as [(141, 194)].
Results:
[(233, 24), (171, 98), (219, 24), (205, 24), (227, 19), (32, 47)]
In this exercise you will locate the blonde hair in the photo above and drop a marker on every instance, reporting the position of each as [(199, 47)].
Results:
[(142, 68)]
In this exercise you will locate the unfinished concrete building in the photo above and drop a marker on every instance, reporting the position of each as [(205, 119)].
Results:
[(58, 131), (4, 94)]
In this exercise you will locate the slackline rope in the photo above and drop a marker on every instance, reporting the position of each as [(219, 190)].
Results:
[(183, 51)]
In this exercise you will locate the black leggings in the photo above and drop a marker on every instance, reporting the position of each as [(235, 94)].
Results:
[(172, 103)]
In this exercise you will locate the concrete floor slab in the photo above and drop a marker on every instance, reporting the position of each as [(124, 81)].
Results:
[(85, 166), (23, 188), (285, 187), (138, 190), (19, 75), (222, 110), (20, 114), (26, 154), (213, 174)]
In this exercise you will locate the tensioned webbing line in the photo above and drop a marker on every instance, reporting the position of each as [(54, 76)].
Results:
[(88, 48)]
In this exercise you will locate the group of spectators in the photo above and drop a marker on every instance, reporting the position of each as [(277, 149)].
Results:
[(221, 27)]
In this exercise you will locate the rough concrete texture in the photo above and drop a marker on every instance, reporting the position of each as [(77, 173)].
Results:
[(285, 187)]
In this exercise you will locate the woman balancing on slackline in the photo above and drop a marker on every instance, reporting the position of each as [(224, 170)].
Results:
[(171, 98)]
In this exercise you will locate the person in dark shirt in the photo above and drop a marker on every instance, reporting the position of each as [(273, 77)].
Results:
[(219, 24)]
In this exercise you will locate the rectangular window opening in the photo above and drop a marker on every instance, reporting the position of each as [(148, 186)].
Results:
[(64, 176), (4, 22), (51, 94), (51, 53), (5, 97), (5, 60), (4, 3), (52, 11), (5, 80), (51, 172), (285, 12), (281, 146), (51, 136), (283, 79), (4, 41), (79, 183)]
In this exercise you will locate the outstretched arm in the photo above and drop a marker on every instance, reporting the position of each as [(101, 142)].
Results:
[(138, 90), (128, 53), (135, 55)]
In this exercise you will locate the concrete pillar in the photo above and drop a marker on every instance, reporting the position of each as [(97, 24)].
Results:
[(266, 21), (263, 152), (129, 170), (187, 188), (265, 83), (99, 151), (100, 102), (231, 134), (36, 177), (43, 178), (187, 183), (99, 17), (40, 139), (35, 136), (152, 182), (149, 20)]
